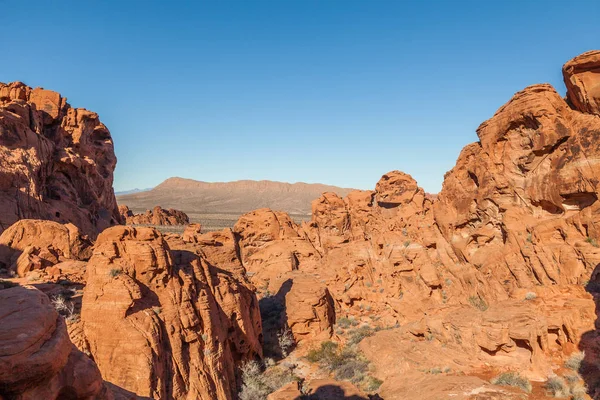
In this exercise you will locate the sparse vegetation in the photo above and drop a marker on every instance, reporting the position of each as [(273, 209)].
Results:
[(478, 303), (286, 341), (557, 386), (371, 384), (257, 383), (345, 322), (65, 308), (592, 241), (157, 310), (345, 363), (115, 272), (568, 386), (512, 379), (575, 360), (530, 296), (357, 335)]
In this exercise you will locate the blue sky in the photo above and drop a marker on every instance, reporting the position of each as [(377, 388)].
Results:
[(331, 91)]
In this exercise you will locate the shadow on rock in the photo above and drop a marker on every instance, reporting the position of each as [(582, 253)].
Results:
[(588, 365), (333, 392), (274, 319)]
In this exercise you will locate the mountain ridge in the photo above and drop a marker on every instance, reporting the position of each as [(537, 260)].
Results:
[(238, 196)]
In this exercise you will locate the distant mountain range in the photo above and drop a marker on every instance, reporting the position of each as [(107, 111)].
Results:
[(235, 197), (136, 190)]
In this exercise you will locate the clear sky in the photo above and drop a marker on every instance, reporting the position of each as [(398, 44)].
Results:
[(331, 91)]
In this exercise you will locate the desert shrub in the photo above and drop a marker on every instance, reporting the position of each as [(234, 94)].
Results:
[(592, 241), (326, 352), (345, 363), (345, 322), (258, 384), (578, 391), (572, 378), (357, 335), (372, 384), (557, 386), (253, 384), (512, 379), (478, 303), (286, 341), (575, 360), (61, 305), (114, 272), (530, 296)]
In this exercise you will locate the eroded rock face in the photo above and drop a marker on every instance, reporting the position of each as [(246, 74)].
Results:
[(37, 359), (31, 245), (183, 325), (517, 219), (582, 78), (56, 162), (156, 216)]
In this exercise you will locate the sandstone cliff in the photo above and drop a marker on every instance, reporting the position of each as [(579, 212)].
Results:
[(56, 162)]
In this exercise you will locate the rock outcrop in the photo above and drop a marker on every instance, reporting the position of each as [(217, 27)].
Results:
[(156, 216), (56, 162), (581, 78), (37, 359), (31, 245), (183, 325), (498, 272)]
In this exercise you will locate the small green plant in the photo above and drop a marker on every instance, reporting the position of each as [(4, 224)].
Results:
[(435, 371), (368, 284), (592, 241), (407, 243), (115, 272), (575, 360), (478, 303), (512, 379), (371, 384), (357, 335), (344, 322), (530, 296)]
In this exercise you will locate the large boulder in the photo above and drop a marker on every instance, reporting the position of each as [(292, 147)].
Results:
[(582, 78), (29, 245), (56, 162), (37, 359)]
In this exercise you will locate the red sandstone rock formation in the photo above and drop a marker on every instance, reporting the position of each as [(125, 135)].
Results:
[(56, 162), (486, 276), (37, 359), (183, 325), (32, 245), (156, 216)]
